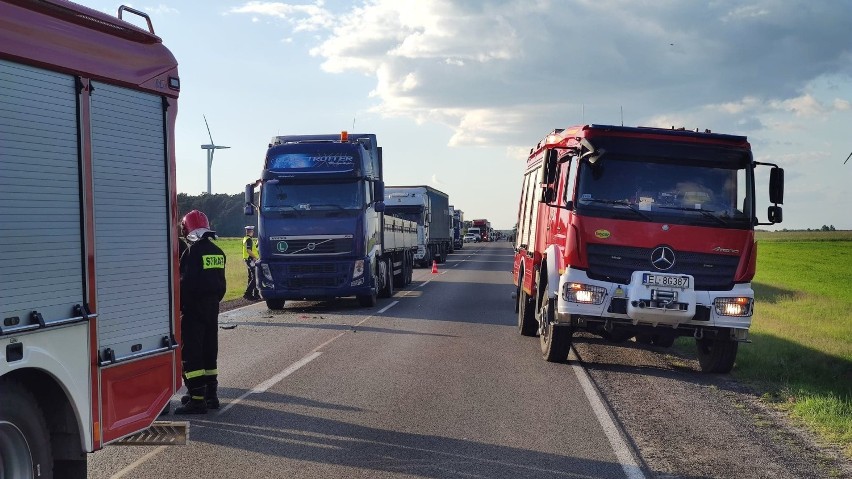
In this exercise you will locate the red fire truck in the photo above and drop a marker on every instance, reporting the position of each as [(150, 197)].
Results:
[(641, 232), (89, 315)]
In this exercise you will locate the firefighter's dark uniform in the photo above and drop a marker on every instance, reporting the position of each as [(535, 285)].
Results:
[(202, 287), (249, 256)]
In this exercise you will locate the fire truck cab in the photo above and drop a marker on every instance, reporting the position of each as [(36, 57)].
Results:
[(643, 232)]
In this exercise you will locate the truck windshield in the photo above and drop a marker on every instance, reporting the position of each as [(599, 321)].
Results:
[(663, 191), (305, 197), (410, 213)]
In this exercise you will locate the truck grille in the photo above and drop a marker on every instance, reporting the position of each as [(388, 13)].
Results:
[(311, 275), (616, 264), (312, 246)]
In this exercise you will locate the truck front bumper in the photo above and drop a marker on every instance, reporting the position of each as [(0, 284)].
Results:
[(314, 279), (653, 299)]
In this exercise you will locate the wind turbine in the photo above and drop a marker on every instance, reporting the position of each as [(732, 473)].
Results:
[(210, 149)]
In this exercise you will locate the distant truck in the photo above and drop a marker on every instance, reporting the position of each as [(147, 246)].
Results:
[(429, 208), (89, 300), (458, 221), (321, 228), (643, 232), (484, 228)]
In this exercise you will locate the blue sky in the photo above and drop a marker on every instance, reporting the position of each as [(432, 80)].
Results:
[(458, 91)]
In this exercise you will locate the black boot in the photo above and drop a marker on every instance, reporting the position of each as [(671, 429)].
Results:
[(210, 396), (193, 406)]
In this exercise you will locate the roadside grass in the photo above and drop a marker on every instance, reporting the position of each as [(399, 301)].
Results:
[(801, 355), (236, 276)]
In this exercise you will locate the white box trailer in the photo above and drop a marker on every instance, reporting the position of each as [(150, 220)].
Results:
[(89, 315)]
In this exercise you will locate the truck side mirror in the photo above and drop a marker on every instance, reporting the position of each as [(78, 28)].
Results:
[(379, 192), (249, 209), (379, 206), (776, 187), (774, 213)]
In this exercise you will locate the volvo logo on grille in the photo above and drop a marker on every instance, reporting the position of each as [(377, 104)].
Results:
[(663, 258), (311, 246)]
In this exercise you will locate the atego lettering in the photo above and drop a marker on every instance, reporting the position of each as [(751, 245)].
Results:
[(213, 261)]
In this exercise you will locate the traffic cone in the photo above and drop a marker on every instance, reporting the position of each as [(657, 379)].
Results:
[(434, 267)]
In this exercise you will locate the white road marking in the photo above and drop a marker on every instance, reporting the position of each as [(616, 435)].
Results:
[(264, 386), (136, 463), (622, 452), (388, 307)]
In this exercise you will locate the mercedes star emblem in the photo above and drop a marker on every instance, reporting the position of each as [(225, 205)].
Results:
[(663, 258)]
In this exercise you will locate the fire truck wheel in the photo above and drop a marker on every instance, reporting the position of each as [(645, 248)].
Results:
[(24, 438), (644, 338), (275, 304), (527, 325), (555, 339), (716, 356), (618, 336), (664, 340)]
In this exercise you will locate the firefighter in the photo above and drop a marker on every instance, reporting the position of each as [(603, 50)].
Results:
[(202, 287), (250, 257)]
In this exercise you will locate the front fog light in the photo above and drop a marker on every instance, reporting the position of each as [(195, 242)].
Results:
[(583, 293), (264, 268), (358, 270), (733, 306)]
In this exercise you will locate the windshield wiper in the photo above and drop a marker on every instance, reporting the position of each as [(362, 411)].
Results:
[(704, 212), (629, 206), (328, 204)]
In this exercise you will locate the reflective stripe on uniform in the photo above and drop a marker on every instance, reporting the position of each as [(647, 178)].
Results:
[(194, 374), (213, 261), (211, 372)]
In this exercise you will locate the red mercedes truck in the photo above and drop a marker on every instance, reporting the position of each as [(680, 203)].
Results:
[(640, 232)]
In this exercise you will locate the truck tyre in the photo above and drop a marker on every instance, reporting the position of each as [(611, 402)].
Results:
[(387, 278), (664, 340), (24, 437), (716, 355), (409, 276), (555, 343), (275, 304), (527, 324), (617, 335), (555, 338), (367, 300)]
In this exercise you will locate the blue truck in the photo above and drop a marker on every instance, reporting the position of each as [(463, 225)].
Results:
[(321, 228)]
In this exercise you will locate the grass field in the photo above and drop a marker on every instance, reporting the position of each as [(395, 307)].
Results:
[(235, 269), (801, 355)]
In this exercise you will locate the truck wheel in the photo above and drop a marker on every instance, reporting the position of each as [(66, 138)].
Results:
[(664, 340), (275, 304), (527, 324), (24, 438), (555, 339), (618, 336), (366, 300), (716, 356), (387, 275)]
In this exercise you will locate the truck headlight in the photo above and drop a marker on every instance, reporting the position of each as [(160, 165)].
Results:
[(358, 270), (583, 293), (733, 306), (264, 268)]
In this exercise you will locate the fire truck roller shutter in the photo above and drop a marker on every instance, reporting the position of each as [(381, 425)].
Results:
[(40, 232), (131, 200)]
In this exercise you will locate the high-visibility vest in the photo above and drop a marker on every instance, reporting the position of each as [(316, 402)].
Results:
[(253, 247)]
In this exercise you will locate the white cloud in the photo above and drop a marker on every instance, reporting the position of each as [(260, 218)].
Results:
[(495, 69), (162, 10)]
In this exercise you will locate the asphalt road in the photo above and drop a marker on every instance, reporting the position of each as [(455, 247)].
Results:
[(436, 382)]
